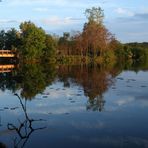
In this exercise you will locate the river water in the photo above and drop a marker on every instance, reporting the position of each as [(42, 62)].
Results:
[(74, 106)]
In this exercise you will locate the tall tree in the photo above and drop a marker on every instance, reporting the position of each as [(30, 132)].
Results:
[(33, 41), (95, 36), (95, 15)]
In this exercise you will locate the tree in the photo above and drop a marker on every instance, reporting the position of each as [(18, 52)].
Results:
[(2, 39), (33, 41), (11, 39), (95, 37), (95, 15), (63, 44), (50, 49)]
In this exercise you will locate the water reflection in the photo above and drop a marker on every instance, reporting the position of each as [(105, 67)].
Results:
[(33, 79), (96, 104), (25, 127), (71, 98), (94, 80), (2, 145)]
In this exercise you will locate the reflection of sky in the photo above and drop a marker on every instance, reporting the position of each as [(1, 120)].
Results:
[(123, 119), (59, 100), (130, 89)]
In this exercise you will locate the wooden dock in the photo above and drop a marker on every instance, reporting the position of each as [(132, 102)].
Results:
[(7, 54), (6, 68)]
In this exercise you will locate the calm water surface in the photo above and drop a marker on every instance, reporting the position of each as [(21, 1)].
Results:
[(78, 106)]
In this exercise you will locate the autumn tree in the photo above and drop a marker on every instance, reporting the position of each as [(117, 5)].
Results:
[(95, 15), (96, 38), (63, 44)]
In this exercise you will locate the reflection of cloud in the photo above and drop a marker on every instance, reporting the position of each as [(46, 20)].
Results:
[(143, 100), (59, 100), (117, 141), (141, 16), (62, 109), (124, 101), (144, 103), (86, 125), (113, 141)]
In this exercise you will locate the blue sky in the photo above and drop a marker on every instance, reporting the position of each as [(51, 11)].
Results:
[(127, 19)]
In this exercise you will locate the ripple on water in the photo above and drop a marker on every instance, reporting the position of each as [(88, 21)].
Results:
[(45, 96), (6, 108), (143, 86), (120, 78)]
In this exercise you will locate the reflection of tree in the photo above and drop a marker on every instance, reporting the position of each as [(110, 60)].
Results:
[(25, 128), (94, 79), (35, 78), (2, 145), (8, 80), (30, 78), (96, 104)]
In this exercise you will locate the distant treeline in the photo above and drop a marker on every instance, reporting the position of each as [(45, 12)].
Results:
[(139, 45), (136, 51), (94, 43)]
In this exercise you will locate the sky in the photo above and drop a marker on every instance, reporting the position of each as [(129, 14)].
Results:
[(126, 19)]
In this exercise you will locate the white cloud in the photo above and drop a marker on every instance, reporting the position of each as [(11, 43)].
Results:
[(57, 21), (137, 33), (62, 3), (4, 21), (41, 9), (123, 11), (26, 2)]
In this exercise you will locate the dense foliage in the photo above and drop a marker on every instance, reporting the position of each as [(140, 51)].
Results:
[(9, 39), (95, 43), (31, 42)]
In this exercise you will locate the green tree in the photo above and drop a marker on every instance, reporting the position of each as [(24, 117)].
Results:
[(33, 80), (2, 39), (50, 49), (11, 39), (33, 41)]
